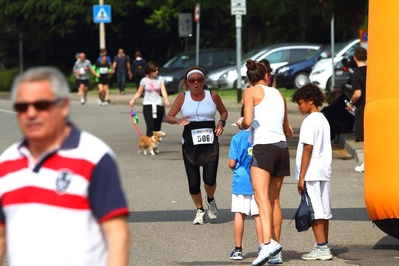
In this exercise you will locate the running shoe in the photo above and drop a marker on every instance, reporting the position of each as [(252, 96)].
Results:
[(276, 259), (199, 217), (318, 253), (267, 251), (212, 209), (236, 254)]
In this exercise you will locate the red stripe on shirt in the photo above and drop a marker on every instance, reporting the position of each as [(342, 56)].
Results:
[(77, 166), (28, 195), (11, 166), (114, 213)]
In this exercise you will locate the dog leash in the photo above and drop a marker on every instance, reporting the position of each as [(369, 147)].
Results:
[(135, 120)]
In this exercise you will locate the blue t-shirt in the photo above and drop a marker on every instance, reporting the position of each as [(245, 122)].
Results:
[(241, 151)]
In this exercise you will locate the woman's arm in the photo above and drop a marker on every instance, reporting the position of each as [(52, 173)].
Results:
[(174, 110), (248, 108), (164, 94), (137, 95), (222, 111)]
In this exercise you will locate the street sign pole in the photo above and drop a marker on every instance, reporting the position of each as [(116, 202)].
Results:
[(197, 19), (102, 30), (238, 8), (332, 56), (238, 31)]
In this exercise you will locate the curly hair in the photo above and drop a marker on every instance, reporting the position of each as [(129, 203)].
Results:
[(309, 92)]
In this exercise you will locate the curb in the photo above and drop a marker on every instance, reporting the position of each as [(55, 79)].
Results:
[(353, 148)]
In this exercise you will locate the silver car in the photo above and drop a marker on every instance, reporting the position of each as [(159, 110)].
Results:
[(277, 54)]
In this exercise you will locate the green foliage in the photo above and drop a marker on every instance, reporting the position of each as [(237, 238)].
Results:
[(6, 78)]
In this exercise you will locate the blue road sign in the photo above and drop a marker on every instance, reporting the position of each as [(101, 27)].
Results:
[(102, 14)]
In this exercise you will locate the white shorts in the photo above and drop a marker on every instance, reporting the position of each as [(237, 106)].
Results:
[(244, 204), (319, 194)]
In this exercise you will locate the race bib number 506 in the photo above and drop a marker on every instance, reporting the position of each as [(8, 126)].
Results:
[(202, 136)]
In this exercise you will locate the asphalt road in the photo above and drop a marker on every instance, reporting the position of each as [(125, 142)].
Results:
[(161, 209)]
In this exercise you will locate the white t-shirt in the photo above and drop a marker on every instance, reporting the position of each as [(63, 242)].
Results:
[(315, 131), (152, 89)]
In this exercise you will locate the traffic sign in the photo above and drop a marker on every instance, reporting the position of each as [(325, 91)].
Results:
[(197, 13), (238, 7), (102, 14), (185, 24), (365, 36)]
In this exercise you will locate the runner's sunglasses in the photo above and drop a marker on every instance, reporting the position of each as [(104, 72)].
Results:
[(192, 81)]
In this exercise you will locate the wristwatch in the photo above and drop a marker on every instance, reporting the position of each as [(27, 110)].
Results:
[(223, 122)]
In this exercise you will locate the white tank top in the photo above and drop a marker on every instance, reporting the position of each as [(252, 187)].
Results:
[(198, 111), (270, 115)]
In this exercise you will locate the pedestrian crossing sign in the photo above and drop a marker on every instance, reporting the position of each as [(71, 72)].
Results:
[(102, 14)]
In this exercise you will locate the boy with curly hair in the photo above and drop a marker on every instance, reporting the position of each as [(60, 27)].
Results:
[(313, 166)]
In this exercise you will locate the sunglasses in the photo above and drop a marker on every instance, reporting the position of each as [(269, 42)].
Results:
[(42, 105), (192, 81)]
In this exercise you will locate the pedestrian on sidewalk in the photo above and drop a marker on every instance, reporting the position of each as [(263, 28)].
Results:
[(121, 67), (103, 70), (138, 68), (358, 81), (313, 166), (82, 69), (265, 112), (200, 143), (242, 200)]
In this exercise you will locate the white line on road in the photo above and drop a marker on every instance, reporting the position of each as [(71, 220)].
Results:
[(7, 111)]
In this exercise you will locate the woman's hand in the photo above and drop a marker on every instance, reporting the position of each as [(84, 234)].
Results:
[(219, 128), (183, 121), (131, 103)]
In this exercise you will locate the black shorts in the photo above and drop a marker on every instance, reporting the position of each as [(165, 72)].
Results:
[(103, 81), (82, 81), (273, 158)]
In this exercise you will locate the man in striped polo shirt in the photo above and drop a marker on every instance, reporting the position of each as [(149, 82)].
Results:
[(61, 201)]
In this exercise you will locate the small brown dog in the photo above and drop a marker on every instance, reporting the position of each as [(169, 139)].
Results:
[(150, 143)]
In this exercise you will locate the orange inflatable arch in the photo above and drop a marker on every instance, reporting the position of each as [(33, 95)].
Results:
[(381, 140)]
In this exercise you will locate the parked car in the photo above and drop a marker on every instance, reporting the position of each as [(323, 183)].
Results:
[(322, 71), (277, 54), (173, 71), (296, 74), (226, 77)]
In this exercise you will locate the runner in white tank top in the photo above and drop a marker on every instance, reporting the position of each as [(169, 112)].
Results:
[(200, 145)]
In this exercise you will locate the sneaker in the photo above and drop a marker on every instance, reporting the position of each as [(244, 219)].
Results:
[(199, 217), (360, 169), (82, 101), (267, 251), (236, 254), (104, 103), (318, 253), (276, 259), (212, 209), (99, 102)]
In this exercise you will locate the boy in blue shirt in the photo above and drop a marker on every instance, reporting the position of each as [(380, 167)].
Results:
[(243, 201)]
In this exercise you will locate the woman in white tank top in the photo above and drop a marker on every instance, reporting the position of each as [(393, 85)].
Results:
[(200, 145), (265, 112)]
